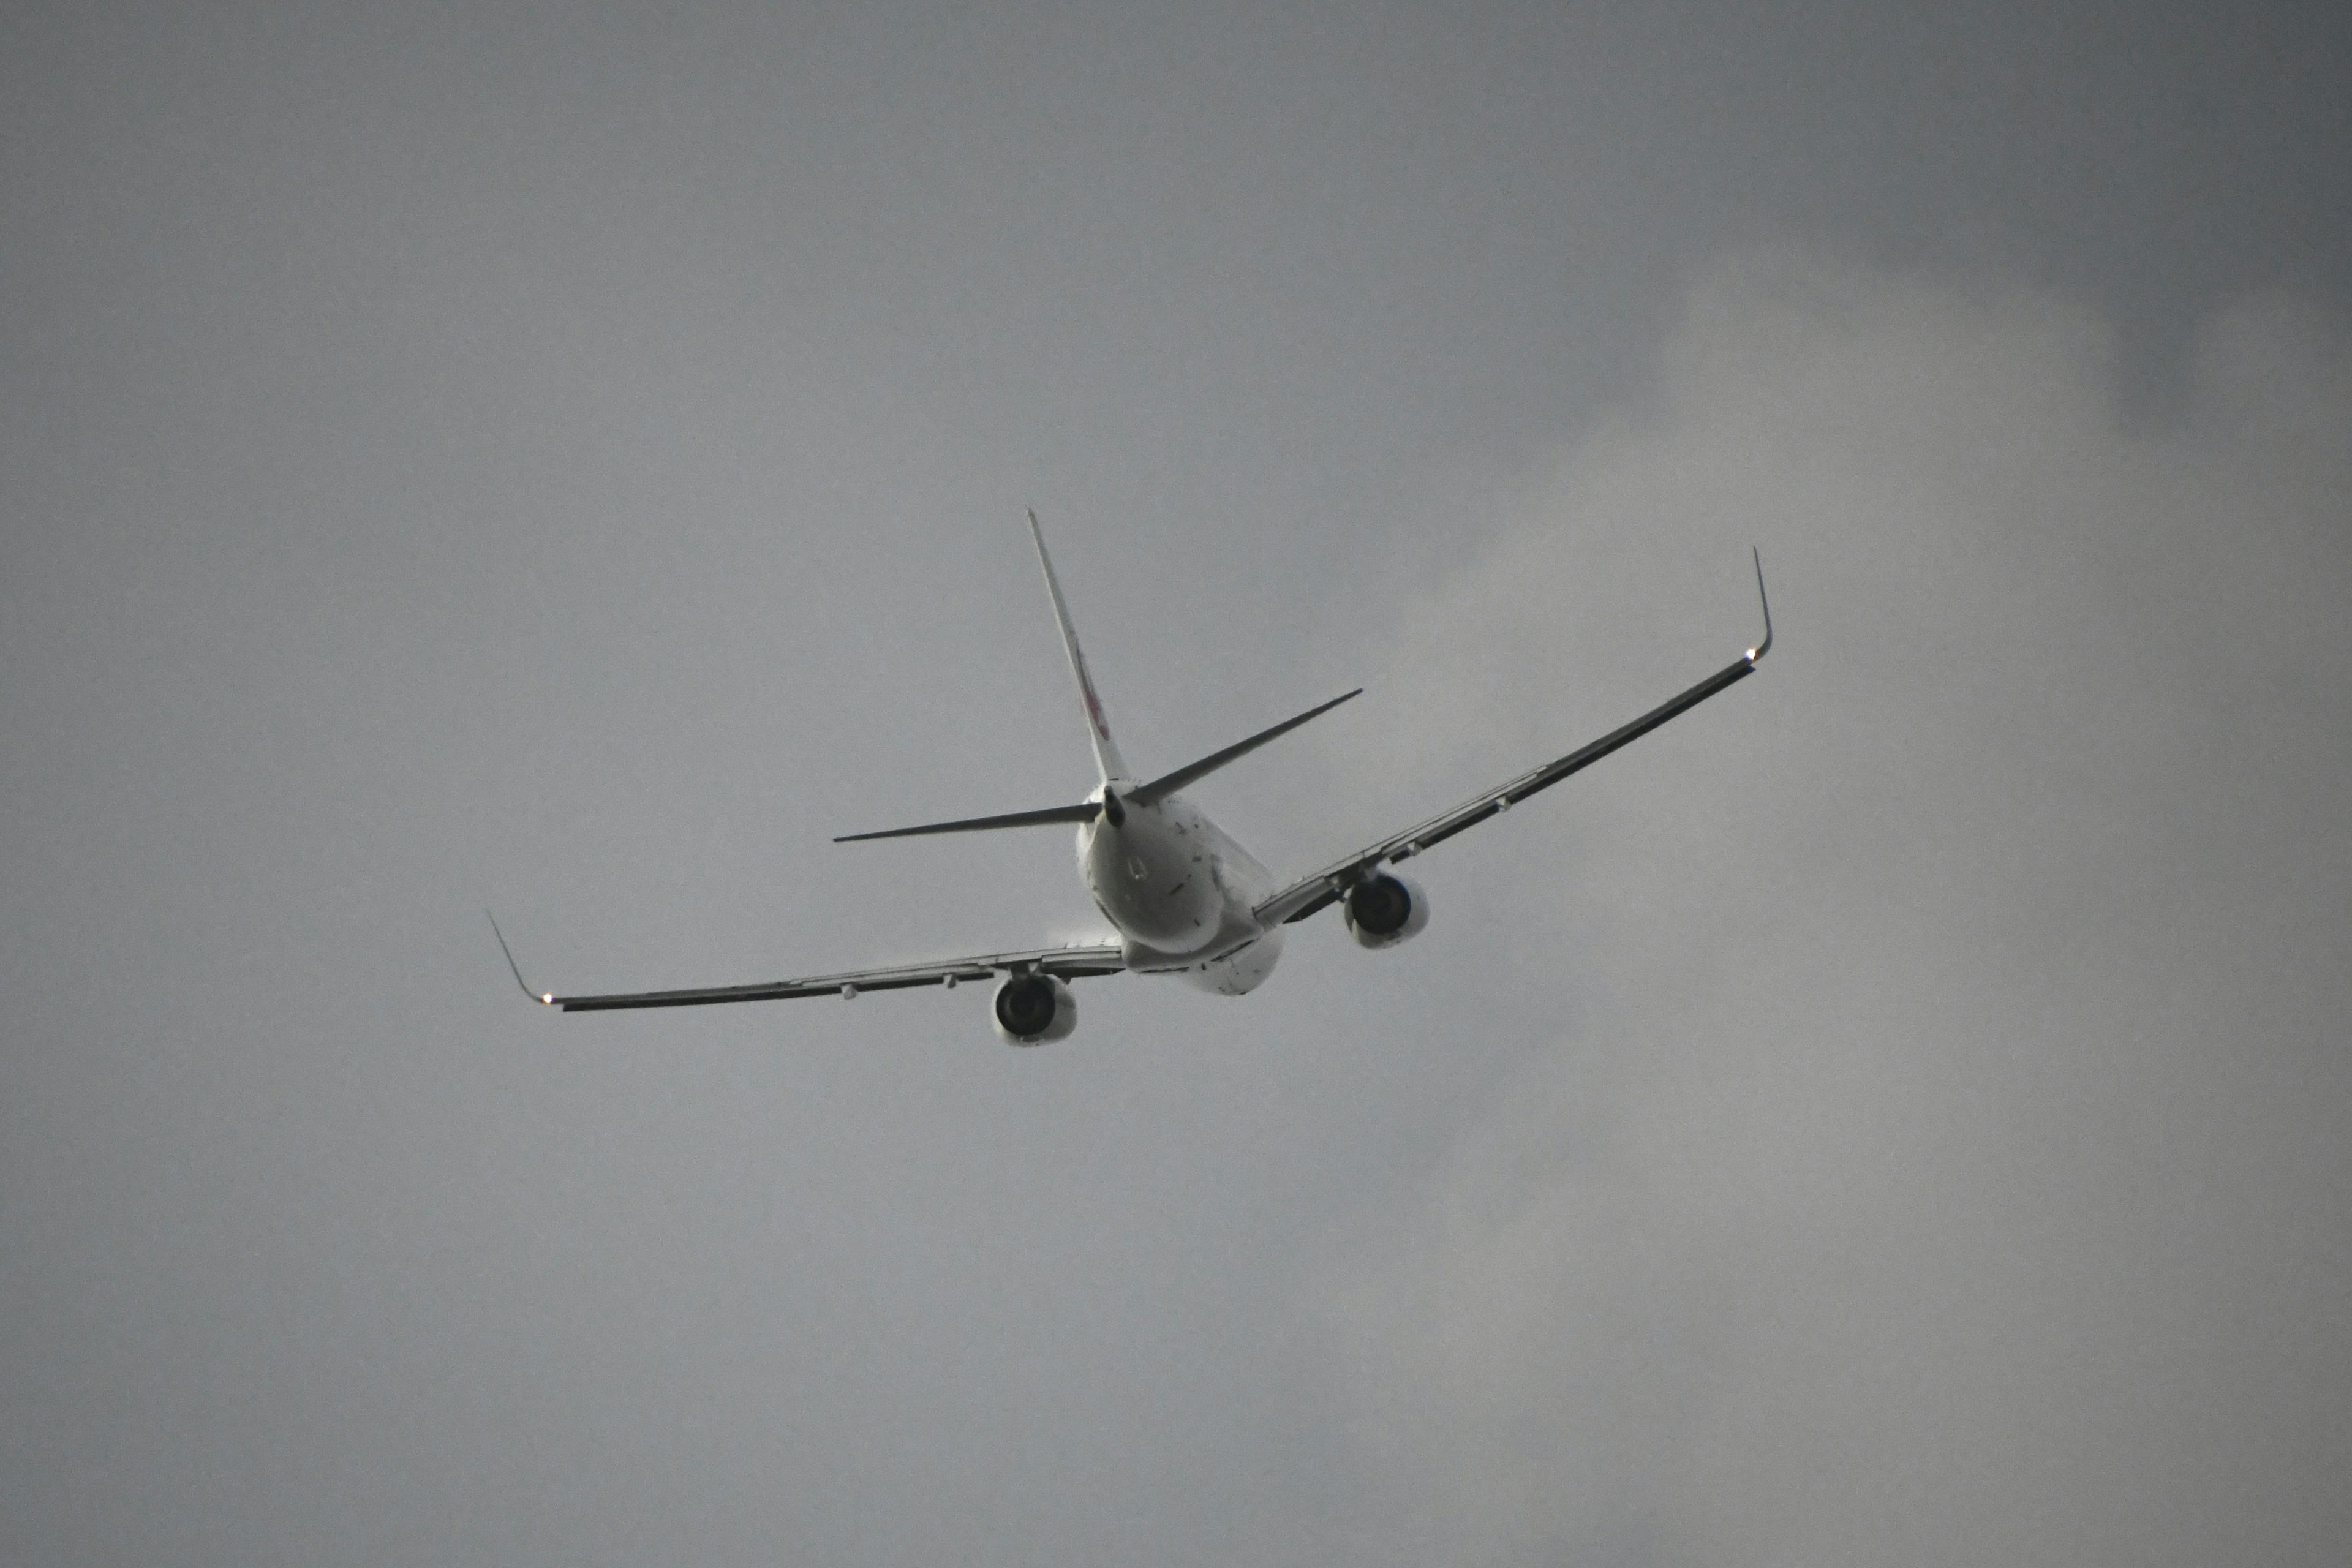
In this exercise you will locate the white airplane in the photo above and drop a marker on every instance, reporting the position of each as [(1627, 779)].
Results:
[(1184, 898)]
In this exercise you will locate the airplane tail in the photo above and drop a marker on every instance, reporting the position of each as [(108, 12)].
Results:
[(1108, 761), (1109, 803)]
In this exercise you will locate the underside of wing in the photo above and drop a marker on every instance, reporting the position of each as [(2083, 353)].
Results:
[(1061, 962), (1310, 894)]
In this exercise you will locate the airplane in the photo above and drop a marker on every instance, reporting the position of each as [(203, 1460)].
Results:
[(1185, 899)]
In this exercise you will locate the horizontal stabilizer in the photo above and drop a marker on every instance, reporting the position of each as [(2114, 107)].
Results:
[(1085, 811), (1161, 788)]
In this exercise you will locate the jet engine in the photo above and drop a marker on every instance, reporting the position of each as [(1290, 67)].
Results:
[(1382, 910), (1033, 1008)]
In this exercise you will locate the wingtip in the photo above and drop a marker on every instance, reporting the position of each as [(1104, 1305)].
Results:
[(1760, 649), (544, 998)]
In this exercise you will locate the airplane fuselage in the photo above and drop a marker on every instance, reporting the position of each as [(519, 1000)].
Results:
[(1181, 893), (1183, 896)]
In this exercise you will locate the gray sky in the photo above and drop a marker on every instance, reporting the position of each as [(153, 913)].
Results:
[(573, 462)]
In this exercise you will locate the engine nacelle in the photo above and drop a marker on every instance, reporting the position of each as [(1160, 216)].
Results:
[(1033, 1008), (1385, 909)]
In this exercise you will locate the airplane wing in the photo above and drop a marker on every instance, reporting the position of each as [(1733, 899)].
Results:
[(1065, 963), (1310, 894)]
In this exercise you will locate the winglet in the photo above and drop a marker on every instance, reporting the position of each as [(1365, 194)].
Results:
[(1106, 758), (1760, 649), (545, 999)]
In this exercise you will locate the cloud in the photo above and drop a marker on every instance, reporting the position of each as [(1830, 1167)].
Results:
[(1932, 1145)]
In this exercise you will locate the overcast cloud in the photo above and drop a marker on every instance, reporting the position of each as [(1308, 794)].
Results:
[(574, 462), (1942, 1158)]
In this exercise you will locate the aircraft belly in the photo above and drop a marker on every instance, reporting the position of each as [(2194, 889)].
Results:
[(1239, 972)]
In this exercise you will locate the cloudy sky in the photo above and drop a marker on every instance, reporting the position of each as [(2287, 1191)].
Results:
[(572, 461)]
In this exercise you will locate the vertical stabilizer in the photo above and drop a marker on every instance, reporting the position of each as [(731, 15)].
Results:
[(1106, 758)]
